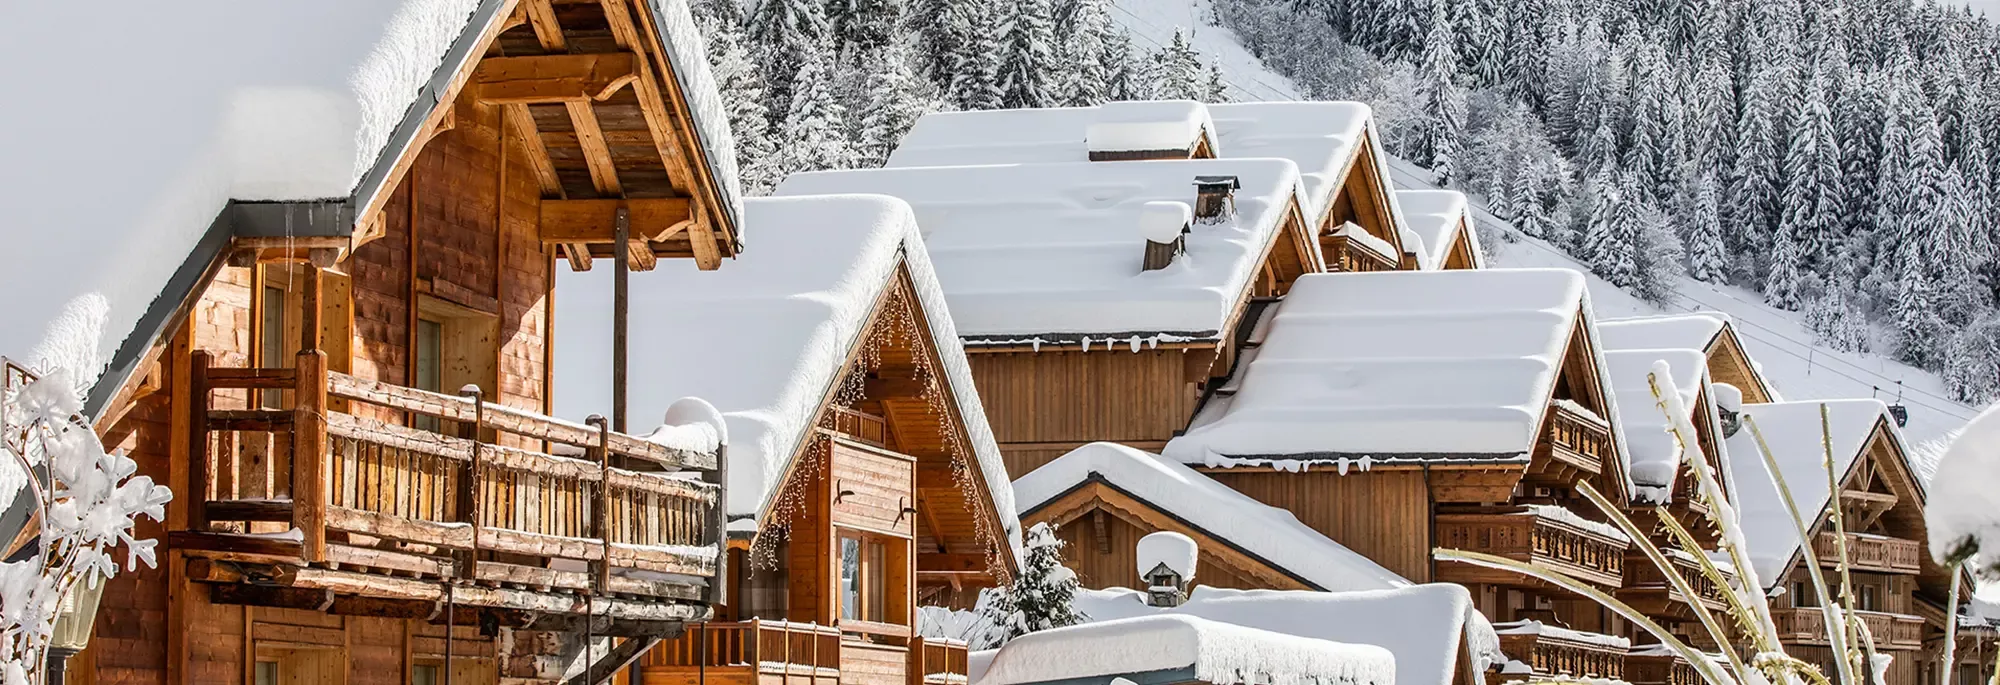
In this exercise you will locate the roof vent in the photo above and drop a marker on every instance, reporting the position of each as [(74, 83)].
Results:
[(1728, 407), (1215, 198), (1165, 227), (1167, 564)]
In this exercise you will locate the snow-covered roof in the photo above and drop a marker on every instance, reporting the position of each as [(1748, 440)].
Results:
[(1655, 460), (1040, 136), (1321, 137), (1693, 331), (1148, 126), (1267, 533), (1422, 625), (1397, 365), (1534, 627), (764, 339), (1169, 648), (1439, 218), (1051, 253), (305, 100), (1792, 429)]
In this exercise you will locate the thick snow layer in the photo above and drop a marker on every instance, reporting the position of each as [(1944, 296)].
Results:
[(1148, 126), (1793, 431), (1446, 363), (295, 104), (763, 339), (1377, 245), (1655, 456), (1571, 519), (1048, 252), (1533, 627), (1422, 625), (1269, 533), (1440, 220), (688, 53), (1166, 548), (1219, 653), (1965, 494), (1694, 331), (1164, 222), (1321, 137)]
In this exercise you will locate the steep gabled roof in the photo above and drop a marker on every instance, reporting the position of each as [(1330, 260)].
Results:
[(1793, 432), (1206, 508), (1413, 366), (767, 339), (1052, 253), (290, 121), (1711, 332), (1442, 224), (1655, 457)]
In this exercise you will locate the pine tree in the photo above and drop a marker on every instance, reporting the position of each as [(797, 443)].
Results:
[(813, 136), (1115, 60), (1215, 90), (742, 87), (1812, 200), (1837, 321), (1042, 597), (1752, 201), (1707, 257), (895, 98), (1973, 374), (1083, 33), (1444, 115), (1177, 72), (1027, 70), (792, 35), (863, 27), (975, 75)]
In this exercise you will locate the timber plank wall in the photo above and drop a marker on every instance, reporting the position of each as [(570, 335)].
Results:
[(1383, 515), (1044, 404)]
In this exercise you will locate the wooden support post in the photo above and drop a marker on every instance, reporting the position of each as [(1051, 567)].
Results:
[(599, 527), (468, 480), (621, 246), (198, 471), (309, 447), (718, 527)]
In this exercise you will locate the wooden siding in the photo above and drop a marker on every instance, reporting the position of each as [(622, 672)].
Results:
[(1103, 550), (1382, 515), (872, 664), (1042, 405), (872, 488)]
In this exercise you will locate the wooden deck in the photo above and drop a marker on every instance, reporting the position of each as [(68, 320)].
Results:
[(1527, 537), (1808, 626), (329, 501), (1350, 256), (1660, 669), (783, 653), (1649, 591)]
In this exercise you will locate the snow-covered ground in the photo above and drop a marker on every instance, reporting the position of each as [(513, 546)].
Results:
[(1776, 339)]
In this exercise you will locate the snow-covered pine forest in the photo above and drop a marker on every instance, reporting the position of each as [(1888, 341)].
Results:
[(832, 84), (1834, 155)]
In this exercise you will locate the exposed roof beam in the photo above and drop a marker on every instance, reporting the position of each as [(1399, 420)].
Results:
[(548, 79), (680, 170), (542, 17), (581, 222), (603, 173), (523, 124)]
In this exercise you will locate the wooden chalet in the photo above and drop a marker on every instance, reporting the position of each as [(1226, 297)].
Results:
[(1710, 332), (1072, 339), (1345, 177), (1898, 590), (862, 477), (344, 374), (1400, 412), (1441, 222)]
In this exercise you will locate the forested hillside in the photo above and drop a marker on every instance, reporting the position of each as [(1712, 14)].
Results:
[(1834, 155)]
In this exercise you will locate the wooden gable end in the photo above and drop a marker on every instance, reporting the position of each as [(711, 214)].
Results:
[(1461, 255), (1729, 363), (1578, 445), (1102, 525), (889, 456), (1363, 197)]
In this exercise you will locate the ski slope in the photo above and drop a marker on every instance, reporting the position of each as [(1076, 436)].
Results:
[(1778, 341)]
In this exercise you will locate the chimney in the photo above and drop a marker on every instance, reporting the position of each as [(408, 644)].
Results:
[(1215, 198), (1166, 565), (1728, 401), (1164, 225)]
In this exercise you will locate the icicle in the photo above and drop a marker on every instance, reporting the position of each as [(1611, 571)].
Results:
[(1086, 343), (1135, 344), (1036, 344)]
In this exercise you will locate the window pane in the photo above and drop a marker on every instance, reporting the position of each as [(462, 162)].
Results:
[(267, 673), (877, 586), (424, 674), (430, 365), (850, 578)]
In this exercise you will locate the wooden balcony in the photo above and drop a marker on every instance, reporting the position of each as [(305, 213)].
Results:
[(1348, 255), (747, 652), (1807, 626), (1551, 651), (1577, 443), (1529, 537), (1655, 667), (1871, 553), (937, 661), (331, 495), (859, 426), (1649, 591)]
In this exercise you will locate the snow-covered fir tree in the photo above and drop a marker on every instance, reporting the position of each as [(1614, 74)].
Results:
[(743, 94), (1043, 596), (1444, 111), (1707, 257), (894, 98), (792, 34), (814, 133), (1177, 72), (1028, 74)]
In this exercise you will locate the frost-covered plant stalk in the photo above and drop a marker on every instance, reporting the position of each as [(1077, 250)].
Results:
[(1747, 606), (1042, 597), (88, 509), (1963, 514)]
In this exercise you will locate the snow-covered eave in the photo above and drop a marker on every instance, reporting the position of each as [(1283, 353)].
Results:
[(1884, 427), (1373, 460), (1097, 479), (1087, 342), (1622, 460), (708, 146)]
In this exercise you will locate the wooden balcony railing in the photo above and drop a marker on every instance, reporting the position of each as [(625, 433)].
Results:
[(1644, 579), (1807, 625), (937, 661), (772, 647), (1531, 538), (1349, 255), (1577, 439), (1652, 668), (360, 491), (1556, 652), (1871, 553), (860, 426)]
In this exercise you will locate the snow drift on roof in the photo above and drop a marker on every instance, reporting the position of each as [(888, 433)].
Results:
[(1218, 653), (1436, 217), (1792, 429), (1037, 136), (1422, 625), (1148, 126), (1265, 532), (1678, 331), (764, 338), (1400, 363), (1655, 460), (1052, 252), (1321, 137)]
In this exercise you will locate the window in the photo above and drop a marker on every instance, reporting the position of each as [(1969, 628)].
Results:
[(267, 673), (424, 674), (1868, 599), (863, 585), (1803, 595)]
